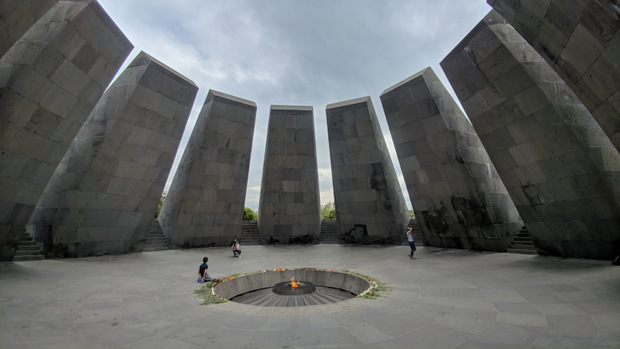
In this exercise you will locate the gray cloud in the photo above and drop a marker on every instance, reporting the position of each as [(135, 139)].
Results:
[(296, 52)]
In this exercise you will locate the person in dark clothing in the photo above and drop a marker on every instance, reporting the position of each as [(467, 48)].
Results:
[(203, 274)]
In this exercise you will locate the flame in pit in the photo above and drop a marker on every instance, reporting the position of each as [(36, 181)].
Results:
[(293, 283)]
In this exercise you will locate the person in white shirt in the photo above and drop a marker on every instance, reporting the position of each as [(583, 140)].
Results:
[(236, 249), (411, 241)]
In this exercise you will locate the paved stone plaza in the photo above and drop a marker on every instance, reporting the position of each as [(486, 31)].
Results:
[(443, 299)]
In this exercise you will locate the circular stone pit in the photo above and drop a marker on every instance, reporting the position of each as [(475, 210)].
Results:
[(317, 287)]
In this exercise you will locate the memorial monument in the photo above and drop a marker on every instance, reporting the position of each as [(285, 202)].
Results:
[(289, 209), (53, 74), (370, 207), (455, 191), (204, 205), (104, 194), (558, 165)]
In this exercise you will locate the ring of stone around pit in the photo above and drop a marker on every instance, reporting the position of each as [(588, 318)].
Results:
[(292, 287)]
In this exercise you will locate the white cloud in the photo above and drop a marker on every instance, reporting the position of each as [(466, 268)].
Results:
[(296, 52)]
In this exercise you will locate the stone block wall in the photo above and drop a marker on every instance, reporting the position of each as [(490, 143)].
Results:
[(104, 194), (50, 80), (370, 207), (204, 205), (558, 165), (456, 193), (17, 17), (580, 39), (289, 209)]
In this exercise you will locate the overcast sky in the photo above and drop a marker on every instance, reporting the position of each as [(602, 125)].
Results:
[(296, 52)]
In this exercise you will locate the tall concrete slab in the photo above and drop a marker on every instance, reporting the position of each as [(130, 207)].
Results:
[(204, 205), (455, 191), (104, 194), (370, 207), (581, 42), (17, 17), (560, 168), (289, 209), (50, 80)]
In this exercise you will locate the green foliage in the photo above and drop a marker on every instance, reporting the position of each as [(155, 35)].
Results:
[(160, 204), (249, 214), (206, 296), (328, 211), (411, 214)]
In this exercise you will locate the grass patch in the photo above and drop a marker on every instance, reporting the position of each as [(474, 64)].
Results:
[(205, 294)]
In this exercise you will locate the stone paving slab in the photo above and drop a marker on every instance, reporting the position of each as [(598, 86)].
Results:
[(443, 299)]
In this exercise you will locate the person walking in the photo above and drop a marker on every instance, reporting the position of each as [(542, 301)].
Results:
[(411, 241)]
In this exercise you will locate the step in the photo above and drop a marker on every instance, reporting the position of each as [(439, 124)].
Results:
[(30, 257), (520, 251)]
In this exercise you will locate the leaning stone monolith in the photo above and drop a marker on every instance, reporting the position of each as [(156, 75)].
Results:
[(289, 210), (104, 194), (204, 205), (455, 191), (51, 79), (370, 207), (581, 42), (17, 17), (559, 167)]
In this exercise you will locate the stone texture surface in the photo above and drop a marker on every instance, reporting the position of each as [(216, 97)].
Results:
[(444, 299), (204, 205), (50, 80), (559, 167), (289, 209), (581, 40), (456, 193), (17, 17), (104, 194), (370, 207)]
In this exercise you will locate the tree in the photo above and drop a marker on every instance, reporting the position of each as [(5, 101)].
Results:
[(160, 204), (328, 211), (411, 214), (249, 214)]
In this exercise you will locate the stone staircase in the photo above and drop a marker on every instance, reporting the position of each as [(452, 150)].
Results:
[(27, 250), (522, 243), (249, 234), (155, 240), (329, 232), (417, 234)]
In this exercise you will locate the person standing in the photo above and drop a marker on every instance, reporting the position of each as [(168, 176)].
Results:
[(203, 274), (411, 241)]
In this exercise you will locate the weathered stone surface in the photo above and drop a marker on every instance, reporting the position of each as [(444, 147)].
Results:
[(370, 207), (289, 209), (580, 39), (560, 168), (204, 205), (17, 17), (50, 80), (104, 194), (455, 190)]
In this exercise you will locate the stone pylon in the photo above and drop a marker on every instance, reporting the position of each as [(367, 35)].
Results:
[(204, 205), (289, 209), (370, 207), (558, 165), (17, 17), (581, 42), (52, 76), (104, 194), (455, 191)]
